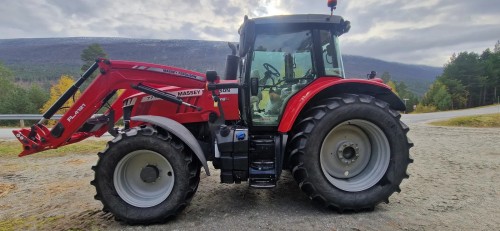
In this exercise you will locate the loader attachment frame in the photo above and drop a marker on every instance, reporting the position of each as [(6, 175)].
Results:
[(114, 75)]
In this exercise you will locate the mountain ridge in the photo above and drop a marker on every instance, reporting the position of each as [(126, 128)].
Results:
[(45, 59)]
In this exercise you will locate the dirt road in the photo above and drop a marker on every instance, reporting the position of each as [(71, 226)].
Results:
[(454, 185)]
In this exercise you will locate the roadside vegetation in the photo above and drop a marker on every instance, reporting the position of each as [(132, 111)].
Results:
[(480, 121), (11, 148)]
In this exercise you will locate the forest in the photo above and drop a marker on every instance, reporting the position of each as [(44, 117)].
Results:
[(468, 80)]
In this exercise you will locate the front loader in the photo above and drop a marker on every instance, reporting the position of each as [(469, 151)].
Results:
[(283, 104)]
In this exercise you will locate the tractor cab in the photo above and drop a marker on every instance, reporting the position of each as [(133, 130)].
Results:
[(280, 56)]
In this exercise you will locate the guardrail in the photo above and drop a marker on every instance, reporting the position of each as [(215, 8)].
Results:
[(23, 117)]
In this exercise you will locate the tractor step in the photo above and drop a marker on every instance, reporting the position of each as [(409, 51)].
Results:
[(262, 174), (262, 183)]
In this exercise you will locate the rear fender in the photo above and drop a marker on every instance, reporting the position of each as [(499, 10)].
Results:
[(323, 88), (179, 131)]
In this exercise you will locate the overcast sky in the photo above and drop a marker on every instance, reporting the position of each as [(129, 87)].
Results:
[(407, 31)]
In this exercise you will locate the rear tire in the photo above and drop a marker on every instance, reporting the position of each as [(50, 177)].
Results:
[(144, 177), (350, 152)]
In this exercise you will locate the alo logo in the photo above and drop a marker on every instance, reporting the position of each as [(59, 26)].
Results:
[(78, 110)]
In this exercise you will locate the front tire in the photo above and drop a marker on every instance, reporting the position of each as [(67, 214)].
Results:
[(350, 152), (145, 177)]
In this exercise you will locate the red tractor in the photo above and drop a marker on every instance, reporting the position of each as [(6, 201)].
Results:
[(283, 103)]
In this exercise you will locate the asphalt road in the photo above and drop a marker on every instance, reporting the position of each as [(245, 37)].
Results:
[(6, 133), (427, 117)]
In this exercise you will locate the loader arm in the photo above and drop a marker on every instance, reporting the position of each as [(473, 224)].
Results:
[(114, 75)]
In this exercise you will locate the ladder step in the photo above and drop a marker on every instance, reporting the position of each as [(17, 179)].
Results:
[(262, 183), (262, 174)]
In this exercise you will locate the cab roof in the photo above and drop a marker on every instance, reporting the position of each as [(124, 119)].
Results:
[(299, 18)]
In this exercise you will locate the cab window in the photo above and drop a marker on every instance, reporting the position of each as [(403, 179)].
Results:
[(283, 63)]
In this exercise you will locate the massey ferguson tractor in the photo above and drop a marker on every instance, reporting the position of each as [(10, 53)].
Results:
[(283, 104)]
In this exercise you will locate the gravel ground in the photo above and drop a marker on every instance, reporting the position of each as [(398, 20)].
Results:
[(454, 185)]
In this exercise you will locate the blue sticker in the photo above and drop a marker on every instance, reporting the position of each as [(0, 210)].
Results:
[(240, 136)]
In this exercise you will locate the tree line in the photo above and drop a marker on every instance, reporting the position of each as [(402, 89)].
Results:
[(468, 80), (30, 98)]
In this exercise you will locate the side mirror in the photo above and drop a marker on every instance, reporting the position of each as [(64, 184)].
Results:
[(346, 26), (232, 62), (211, 76), (254, 86)]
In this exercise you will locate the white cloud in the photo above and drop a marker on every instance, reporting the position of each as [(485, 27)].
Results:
[(420, 32)]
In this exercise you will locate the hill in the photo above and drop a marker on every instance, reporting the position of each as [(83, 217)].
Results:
[(45, 59)]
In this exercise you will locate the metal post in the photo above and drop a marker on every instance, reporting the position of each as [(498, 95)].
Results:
[(405, 103)]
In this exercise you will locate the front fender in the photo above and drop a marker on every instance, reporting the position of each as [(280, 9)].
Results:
[(326, 87), (179, 131)]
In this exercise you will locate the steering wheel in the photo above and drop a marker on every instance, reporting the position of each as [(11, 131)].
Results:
[(271, 70), (309, 74)]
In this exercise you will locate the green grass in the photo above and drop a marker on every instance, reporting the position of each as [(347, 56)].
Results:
[(24, 223), (12, 148), (480, 121)]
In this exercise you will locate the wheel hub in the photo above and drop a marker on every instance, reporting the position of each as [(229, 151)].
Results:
[(348, 152), (150, 173)]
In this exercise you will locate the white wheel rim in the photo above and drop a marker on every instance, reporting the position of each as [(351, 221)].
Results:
[(355, 155), (133, 189)]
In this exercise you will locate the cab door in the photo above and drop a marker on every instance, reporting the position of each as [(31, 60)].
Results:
[(282, 62)]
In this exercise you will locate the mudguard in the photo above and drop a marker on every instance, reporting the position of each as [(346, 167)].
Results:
[(326, 87), (178, 130)]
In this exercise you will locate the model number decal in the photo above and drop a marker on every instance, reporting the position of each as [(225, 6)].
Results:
[(228, 91)]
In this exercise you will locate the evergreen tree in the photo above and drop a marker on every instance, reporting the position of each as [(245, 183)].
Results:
[(466, 70), (90, 54)]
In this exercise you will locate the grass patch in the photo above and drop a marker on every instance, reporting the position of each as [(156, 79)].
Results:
[(31, 223), (480, 121), (11, 148)]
